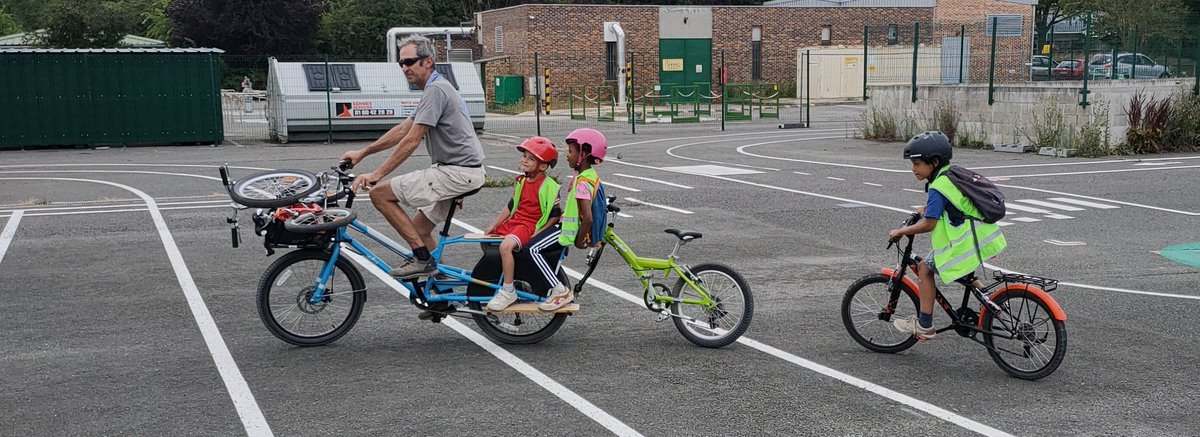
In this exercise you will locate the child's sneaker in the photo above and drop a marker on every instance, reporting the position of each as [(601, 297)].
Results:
[(559, 296), (502, 300), (912, 326)]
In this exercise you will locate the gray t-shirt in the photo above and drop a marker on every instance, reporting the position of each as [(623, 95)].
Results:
[(451, 138)]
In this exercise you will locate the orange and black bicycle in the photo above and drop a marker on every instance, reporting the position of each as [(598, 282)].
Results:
[(1014, 317)]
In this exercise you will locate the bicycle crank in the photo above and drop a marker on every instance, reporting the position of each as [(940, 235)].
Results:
[(650, 298)]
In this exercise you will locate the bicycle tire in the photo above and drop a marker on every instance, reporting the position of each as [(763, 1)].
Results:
[(274, 188), (1028, 336), (506, 328), (329, 219), (881, 336), (716, 332), (283, 290)]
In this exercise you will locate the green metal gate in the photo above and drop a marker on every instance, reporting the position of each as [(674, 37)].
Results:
[(684, 61), (92, 97)]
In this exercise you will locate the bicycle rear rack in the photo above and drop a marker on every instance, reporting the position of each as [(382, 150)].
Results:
[(1046, 284)]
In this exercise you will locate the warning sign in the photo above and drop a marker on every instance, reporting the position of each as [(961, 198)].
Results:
[(672, 65), (362, 110)]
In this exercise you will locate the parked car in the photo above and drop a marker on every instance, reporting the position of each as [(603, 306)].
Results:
[(1071, 69), (1039, 67), (1129, 66)]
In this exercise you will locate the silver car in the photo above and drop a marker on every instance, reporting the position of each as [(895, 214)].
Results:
[(1129, 66)]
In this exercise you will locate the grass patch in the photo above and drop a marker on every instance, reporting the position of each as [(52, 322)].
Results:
[(491, 182), (33, 201), (1048, 127), (878, 124), (1093, 139), (945, 119), (525, 105), (1182, 132)]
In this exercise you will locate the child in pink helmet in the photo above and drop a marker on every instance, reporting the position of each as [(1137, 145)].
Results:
[(586, 148)]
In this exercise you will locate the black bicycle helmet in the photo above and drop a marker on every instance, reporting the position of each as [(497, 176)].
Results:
[(928, 145)]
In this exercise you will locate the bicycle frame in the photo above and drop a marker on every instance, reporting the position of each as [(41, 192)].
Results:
[(644, 267)]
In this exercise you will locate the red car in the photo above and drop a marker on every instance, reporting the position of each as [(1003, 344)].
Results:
[(1071, 69)]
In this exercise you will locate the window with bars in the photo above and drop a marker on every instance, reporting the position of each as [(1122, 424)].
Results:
[(756, 53), (610, 60), (1006, 25), (499, 38)]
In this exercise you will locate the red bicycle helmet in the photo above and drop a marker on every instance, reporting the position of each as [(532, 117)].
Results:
[(542, 148)]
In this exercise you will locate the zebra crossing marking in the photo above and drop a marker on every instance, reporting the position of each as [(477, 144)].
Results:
[(1084, 203), (1050, 205)]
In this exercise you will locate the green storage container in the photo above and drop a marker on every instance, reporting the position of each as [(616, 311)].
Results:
[(509, 89), (89, 97)]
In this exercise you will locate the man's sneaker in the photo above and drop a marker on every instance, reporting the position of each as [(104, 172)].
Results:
[(912, 326), (415, 269), (502, 300), (559, 297)]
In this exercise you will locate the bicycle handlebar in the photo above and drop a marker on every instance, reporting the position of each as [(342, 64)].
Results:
[(911, 220)]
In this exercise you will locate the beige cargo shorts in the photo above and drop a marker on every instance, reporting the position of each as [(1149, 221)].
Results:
[(431, 190)]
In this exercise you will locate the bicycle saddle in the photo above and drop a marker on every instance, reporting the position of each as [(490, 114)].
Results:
[(684, 235)]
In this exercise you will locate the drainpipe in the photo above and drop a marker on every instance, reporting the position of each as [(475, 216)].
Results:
[(616, 27), (394, 32)]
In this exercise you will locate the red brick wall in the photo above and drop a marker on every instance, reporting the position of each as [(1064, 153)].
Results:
[(569, 39)]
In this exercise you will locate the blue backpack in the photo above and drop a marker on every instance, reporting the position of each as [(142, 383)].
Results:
[(599, 212)]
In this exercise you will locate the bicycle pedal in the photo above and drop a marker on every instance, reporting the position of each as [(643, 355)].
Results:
[(662, 316)]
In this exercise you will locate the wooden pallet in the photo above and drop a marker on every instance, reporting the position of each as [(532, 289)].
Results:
[(527, 308)]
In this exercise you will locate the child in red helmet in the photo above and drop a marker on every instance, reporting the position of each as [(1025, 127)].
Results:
[(585, 149), (535, 198)]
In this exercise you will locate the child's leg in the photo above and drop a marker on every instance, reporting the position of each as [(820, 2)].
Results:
[(548, 240), (928, 289), (508, 247)]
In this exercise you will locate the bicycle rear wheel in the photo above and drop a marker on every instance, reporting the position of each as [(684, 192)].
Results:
[(274, 188), (1038, 342), (727, 320), (284, 303), (865, 315), (520, 328)]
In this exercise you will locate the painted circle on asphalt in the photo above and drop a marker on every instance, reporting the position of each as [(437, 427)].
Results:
[(1187, 254)]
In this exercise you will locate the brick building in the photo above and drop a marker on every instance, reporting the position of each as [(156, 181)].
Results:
[(675, 44)]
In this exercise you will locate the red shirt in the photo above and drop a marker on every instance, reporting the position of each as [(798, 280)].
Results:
[(529, 211)]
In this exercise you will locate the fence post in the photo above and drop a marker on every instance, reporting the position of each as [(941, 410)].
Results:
[(629, 98), (724, 102), (537, 94), (1137, 45), (962, 47), (1196, 61), (808, 87), (866, 34), (916, 43), (1050, 54), (992, 67), (328, 103), (1087, 39)]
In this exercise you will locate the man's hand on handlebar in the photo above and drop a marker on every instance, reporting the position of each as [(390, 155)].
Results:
[(354, 156), (365, 182)]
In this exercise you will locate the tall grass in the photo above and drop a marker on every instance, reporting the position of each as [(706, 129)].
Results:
[(1049, 128), (878, 124), (1182, 133), (1147, 123)]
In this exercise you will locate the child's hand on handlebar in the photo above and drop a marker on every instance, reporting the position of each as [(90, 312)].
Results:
[(895, 234)]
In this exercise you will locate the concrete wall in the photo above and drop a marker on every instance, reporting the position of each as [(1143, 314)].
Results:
[(1010, 118)]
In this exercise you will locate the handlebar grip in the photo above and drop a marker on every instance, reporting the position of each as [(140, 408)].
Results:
[(224, 175), (234, 233), (344, 165)]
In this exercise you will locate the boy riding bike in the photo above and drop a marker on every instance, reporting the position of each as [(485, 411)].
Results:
[(961, 241), (585, 148), (533, 208)]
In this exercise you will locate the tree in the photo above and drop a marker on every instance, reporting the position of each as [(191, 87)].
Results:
[(30, 14), (1047, 13), (246, 27), (8, 24), (357, 28), (154, 21), (1131, 23), (88, 24)]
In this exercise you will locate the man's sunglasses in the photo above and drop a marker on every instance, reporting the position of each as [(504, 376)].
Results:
[(408, 62)]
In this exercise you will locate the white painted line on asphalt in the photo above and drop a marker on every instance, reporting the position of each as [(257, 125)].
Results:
[(871, 184), (621, 214), (712, 170), (1151, 164), (1065, 243), (109, 211), (504, 169), (913, 191), (1084, 203), (1099, 199), (1003, 223), (895, 396), (668, 208), (1025, 219), (1094, 287), (533, 374), (743, 151), (208, 166), (225, 202), (243, 399), (9, 232), (1058, 216), (1061, 164), (901, 398), (652, 180), (790, 137), (504, 136), (1124, 170), (803, 173), (1049, 205), (1017, 207), (610, 184), (836, 179)]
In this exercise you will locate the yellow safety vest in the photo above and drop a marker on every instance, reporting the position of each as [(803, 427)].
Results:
[(570, 217), (547, 197), (960, 250)]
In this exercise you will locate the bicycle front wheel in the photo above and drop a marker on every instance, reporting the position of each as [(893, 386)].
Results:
[(285, 298), (329, 219), (867, 318), (274, 188), (727, 320), (520, 328), (1036, 343)]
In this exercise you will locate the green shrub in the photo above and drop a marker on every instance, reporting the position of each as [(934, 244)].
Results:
[(1049, 129), (1182, 133), (1093, 139), (1147, 123), (969, 140)]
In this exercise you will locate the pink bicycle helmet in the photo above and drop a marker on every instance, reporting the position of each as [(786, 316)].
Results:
[(591, 142)]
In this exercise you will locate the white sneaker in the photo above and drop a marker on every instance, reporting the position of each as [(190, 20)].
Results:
[(559, 297), (912, 326), (502, 300)]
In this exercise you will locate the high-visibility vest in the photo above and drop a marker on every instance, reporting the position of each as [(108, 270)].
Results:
[(960, 250), (547, 197), (570, 217)]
